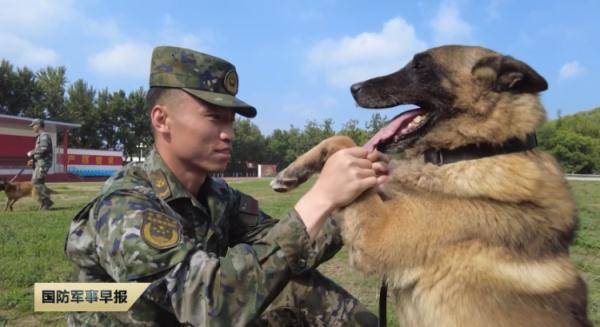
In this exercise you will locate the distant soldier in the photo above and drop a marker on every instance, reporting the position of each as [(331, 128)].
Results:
[(213, 258), (40, 159)]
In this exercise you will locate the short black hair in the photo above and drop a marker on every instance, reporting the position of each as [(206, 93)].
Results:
[(156, 94)]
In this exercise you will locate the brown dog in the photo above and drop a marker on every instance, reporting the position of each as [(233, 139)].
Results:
[(475, 224), (16, 190)]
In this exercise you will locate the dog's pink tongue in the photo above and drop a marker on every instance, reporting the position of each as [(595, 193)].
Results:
[(389, 130)]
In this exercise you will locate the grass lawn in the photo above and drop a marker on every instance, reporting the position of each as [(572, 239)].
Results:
[(31, 248)]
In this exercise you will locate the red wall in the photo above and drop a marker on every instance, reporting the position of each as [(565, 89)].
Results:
[(16, 146), (88, 159)]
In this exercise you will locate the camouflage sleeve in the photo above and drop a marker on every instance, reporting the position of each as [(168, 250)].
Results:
[(198, 287), (329, 241), (250, 224)]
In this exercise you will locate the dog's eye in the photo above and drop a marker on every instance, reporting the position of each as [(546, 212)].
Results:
[(418, 65)]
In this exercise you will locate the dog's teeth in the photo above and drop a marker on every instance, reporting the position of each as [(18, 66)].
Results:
[(418, 119)]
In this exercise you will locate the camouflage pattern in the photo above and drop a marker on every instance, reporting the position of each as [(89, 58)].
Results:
[(42, 161), (228, 264), (204, 76)]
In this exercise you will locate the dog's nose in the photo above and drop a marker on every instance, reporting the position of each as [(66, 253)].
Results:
[(355, 87)]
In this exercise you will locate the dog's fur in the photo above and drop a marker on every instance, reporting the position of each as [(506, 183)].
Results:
[(17, 190), (482, 242)]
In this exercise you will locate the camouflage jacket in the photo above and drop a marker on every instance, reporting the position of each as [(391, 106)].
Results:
[(43, 148), (213, 260)]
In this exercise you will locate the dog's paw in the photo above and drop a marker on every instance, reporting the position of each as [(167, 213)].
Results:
[(283, 184)]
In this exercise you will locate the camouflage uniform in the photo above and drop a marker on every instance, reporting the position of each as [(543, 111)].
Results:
[(42, 161), (212, 260)]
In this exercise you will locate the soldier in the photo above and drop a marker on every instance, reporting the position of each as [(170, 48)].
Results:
[(40, 159), (213, 258)]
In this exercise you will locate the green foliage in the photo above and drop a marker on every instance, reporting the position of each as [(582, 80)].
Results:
[(50, 83), (376, 122), (248, 145), (283, 147), (314, 133), (108, 120), (80, 108), (18, 91), (574, 140), (357, 134)]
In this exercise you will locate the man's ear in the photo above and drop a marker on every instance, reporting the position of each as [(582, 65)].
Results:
[(158, 118), (510, 75)]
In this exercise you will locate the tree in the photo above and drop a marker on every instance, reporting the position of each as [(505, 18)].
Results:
[(314, 133), (50, 83), (140, 131), (80, 108), (248, 145), (277, 145), (351, 129), (576, 153), (27, 93), (7, 88), (295, 146), (574, 140), (106, 125), (283, 146), (17, 90), (121, 118), (376, 122)]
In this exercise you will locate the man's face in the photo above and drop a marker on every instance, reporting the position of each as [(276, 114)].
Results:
[(200, 134), (36, 128)]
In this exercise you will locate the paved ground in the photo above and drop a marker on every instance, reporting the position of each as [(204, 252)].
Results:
[(594, 178)]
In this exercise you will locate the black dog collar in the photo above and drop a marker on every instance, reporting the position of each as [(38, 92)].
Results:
[(480, 150)]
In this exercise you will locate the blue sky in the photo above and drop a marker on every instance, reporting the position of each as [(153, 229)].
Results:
[(297, 59)]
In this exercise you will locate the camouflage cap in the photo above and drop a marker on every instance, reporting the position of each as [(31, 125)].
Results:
[(38, 122), (206, 77)]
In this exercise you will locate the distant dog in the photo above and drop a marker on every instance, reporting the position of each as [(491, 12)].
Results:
[(475, 224), (17, 190)]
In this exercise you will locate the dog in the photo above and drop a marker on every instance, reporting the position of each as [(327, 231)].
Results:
[(17, 190), (474, 224)]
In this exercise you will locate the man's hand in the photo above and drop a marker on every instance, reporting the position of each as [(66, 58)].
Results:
[(30, 154), (345, 176)]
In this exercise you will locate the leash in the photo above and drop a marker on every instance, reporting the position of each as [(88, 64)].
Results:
[(17, 175), (383, 303)]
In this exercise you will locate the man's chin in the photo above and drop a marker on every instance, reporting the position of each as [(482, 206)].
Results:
[(217, 168)]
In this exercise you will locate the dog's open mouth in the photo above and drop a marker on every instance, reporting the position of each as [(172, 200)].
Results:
[(400, 131)]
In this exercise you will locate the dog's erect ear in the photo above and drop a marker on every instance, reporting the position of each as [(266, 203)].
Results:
[(510, 75)]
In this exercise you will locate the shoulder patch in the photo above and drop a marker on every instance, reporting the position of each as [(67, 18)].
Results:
[(160, 184), (248, 205), (159, 230)]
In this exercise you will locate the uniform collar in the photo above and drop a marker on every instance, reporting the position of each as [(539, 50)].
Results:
[(165, 184), (169, 188)]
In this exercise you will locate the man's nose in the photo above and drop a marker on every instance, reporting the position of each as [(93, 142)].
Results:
[(227, 134)]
